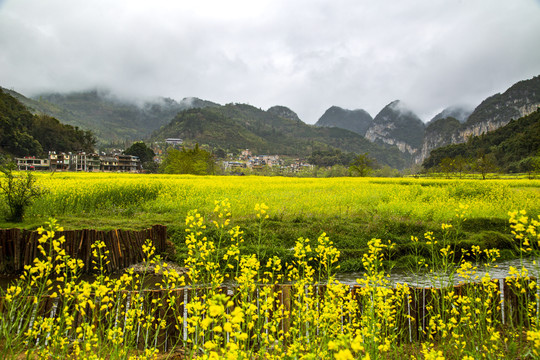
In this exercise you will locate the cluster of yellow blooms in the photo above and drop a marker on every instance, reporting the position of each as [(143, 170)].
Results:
[(275, 310)]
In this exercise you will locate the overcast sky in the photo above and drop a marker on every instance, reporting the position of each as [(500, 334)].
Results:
[(304, 54)]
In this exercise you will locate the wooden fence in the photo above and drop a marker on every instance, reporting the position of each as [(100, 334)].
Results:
[(170, 306), (19, 247)]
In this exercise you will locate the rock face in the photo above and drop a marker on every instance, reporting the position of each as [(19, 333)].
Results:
[(397, 125), (521, 99), (357, 121), (439, 133), (283, 112)]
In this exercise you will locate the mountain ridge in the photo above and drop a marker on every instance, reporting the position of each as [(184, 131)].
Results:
[(398, 125), (357, 120), (239, 126), (110, 118)]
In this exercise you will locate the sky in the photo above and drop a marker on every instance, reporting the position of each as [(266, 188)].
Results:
[(307, 55)]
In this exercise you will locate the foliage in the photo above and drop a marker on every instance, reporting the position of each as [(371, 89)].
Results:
[(24, 134), (54, 136), (15, 122), (529, 165), (329, 158), (386, 172), (19, 191), (144, 153), (358, 121), (194, 161), (362, 165), (485, 164), (239, 126), (450, 166), (510, 145)]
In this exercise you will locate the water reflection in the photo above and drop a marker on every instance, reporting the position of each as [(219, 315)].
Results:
[(396, 276), (429, 279)]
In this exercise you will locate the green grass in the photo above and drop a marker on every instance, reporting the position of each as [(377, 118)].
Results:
[(350, 210)]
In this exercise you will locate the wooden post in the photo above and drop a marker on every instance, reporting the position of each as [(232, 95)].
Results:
[(17, 238), (286, 301)]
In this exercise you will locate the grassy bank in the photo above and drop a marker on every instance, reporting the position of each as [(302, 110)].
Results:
[(351, 211)]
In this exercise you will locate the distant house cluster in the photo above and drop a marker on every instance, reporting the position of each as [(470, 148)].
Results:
[(247, 160), (160, 148), (81, 162), (258, 162)]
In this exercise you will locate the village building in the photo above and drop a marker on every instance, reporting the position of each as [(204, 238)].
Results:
[(231, 165), (245, 154), (81, 162), (174, 141), (85, 162), (32, 163)]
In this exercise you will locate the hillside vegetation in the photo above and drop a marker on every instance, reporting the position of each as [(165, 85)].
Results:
[(509, 146), (23, 134), (109, 118), (508, 105), (239, 126)]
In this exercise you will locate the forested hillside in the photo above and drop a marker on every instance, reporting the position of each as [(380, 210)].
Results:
[(510, 147), (23, 134), (239, 126), (111, 119)]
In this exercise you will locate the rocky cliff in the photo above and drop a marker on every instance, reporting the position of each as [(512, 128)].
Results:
[(397, 125), (521, 99)]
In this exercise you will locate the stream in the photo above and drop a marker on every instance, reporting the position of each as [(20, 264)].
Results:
[(401, 276)]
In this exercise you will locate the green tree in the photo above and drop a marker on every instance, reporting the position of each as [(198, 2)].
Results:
[(145, 155), (19, 191), (460, 165), (362, 165), (446, 166), (328, 158), (189, 161), (530, 165), (386, 171), (485, 164), (220, 153)]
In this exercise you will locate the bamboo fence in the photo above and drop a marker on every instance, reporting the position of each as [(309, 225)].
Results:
[(19, 247)]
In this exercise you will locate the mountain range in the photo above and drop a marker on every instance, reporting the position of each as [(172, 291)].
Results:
[(397, 125), (109, 118), (240, 126), (395, 136)]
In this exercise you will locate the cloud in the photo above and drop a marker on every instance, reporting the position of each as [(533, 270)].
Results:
[(305, 54)]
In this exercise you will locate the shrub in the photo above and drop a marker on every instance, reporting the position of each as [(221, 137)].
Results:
[(19, 191)]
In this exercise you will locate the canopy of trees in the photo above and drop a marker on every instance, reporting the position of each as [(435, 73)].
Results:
[(141, 150), (24, 134), (362, 165), (330, 157), (145, 155)]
